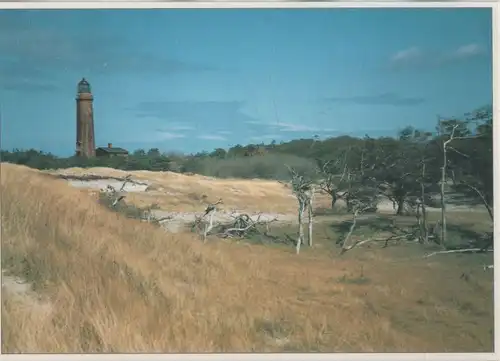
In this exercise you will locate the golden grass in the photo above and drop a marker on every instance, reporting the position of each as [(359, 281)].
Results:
[(180, 192), (119, 285)]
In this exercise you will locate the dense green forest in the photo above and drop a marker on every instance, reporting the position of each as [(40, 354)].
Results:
[(458, 150)]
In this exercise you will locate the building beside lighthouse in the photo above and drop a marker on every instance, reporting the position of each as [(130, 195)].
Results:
[(85, 140)]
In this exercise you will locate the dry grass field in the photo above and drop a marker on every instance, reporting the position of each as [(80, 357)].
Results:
[(101, 282), (179, 192)]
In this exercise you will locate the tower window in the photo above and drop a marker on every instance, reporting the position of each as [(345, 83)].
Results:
[(84, 86)]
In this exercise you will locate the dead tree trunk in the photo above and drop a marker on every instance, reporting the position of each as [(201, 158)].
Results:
[(300, 238), (304, 191), (210, 212), (209, 226), (351, 229), (401, 205), (443, 200), (310, 219), (334, 199), (443, 180), (419, 221), (305, 202), (424, 228)]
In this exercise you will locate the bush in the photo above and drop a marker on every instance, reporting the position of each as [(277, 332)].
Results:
[(268, 166)]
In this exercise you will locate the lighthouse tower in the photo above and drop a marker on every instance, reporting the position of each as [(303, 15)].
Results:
[(85, 141)]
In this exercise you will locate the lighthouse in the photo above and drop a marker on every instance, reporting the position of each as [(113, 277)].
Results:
[(85, 141)]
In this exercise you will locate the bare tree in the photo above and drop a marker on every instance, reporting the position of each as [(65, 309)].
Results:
[(362, 192), (457, 131), (419, 198), (362, 199), (421, 209), (304, 191), (334, 173), (474, 160)]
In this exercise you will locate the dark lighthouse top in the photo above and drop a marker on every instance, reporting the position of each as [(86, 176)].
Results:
[(83, 86)]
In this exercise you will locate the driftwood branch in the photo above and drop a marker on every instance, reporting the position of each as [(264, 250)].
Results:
[(243, 224), (463, 250), (210, 225), (239, 227), (125, 181), (346, 248), (356, 244), (117, 195), (204, 223)]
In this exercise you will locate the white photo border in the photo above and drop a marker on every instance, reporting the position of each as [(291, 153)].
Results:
[(138, 4)]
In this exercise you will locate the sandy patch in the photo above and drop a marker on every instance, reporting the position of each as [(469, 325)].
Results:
[(18, 289), (103, 183)]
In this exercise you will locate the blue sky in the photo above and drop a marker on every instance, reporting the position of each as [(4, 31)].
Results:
[(196, 79)]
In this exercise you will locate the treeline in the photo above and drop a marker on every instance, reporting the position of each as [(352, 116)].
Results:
[(469, 156), (456, 160), (268, 166)]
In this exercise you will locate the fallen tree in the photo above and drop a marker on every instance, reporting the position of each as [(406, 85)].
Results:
[(241, 226)]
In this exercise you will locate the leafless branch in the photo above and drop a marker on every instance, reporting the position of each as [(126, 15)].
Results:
[(483, 198), (210, 225), (125, 181), (244, 223), (464, 250), (118, 199), (458, 152), (117, 195)]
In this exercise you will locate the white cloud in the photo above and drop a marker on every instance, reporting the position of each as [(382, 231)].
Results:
[(138, 135), (468, 50), (175, 126), (256, 122), (168, 135), (211, 137), (291, 127), (415, 56), (408, 54), (181, 127), (225, 132)]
